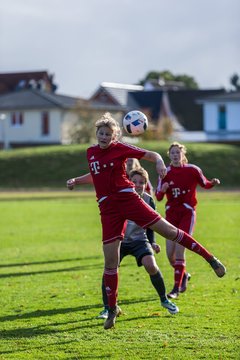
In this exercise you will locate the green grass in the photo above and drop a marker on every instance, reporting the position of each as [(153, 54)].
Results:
[(50, 282), (51, 166)]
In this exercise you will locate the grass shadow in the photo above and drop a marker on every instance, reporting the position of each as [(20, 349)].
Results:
[(50, 261), (44, 329), (29, 273), (53, 312), (37, 347)]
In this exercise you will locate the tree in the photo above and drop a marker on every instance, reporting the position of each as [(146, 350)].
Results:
[(235, 81), (166, 78)]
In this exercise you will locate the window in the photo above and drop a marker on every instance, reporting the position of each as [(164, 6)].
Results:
[(45, 123), (17, 119), (222, 117)]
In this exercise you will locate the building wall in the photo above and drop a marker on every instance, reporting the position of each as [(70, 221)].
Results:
[(31, 129), (233, 115), (211, 121), (210, 117)]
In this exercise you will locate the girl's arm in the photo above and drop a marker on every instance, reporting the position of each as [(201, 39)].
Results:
[(155, 157), (204, 182), (161, 190), (84, 179)]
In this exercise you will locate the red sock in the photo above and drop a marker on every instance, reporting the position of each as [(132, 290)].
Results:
[(191, 244), (111, 285), (179, 270)]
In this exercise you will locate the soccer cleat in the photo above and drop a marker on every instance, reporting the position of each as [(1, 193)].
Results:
[(218, 267), (186, 278), (173, 294), (103, 314), (171, 307), (113, 313)]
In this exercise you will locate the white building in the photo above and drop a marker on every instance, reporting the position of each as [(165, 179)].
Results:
[(34, 117), (221, 117)]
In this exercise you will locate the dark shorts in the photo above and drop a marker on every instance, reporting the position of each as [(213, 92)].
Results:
[(138, 249)]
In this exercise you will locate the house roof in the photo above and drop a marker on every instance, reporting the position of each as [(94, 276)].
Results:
[(114, 93), (185, 107), (182, 102), (36, 99), (232, 96), (147, 100), (20, 80)]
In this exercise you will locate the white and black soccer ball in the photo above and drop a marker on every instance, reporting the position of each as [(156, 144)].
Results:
[(135, 122)]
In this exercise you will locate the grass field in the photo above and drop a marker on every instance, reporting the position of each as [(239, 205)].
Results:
[(51, 267)]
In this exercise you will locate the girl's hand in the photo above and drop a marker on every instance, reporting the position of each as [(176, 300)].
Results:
[(70, 184), (161, 168), (156, 248), (215, 181), (164, 187)]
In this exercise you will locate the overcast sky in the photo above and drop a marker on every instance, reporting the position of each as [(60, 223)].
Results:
[(86, 42)]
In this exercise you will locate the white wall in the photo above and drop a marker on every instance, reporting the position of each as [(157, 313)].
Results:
[(211, 116), (233, 113), (232, 132), (30, 131), (69, 119)]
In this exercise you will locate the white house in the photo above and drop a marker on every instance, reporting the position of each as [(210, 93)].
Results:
[(34, 117), (221, 117)]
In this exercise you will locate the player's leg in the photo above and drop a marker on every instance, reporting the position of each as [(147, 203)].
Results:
[(149, 262), (150, 265), (111, 257), (170, 251), (144, 216), (167, 230), (113, 227), (174, 217), (104, 313), (179, 269), (187, 224), (185, 280)]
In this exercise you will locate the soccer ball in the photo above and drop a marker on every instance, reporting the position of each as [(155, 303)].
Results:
[(135, 122)]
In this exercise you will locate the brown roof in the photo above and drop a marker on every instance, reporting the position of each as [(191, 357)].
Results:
[(14, 81)]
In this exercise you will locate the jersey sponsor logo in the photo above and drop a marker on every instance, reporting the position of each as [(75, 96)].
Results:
[(176, 192), (95, 167)]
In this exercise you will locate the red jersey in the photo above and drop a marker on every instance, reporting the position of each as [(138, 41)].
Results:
[(182, 185), (108, 168)]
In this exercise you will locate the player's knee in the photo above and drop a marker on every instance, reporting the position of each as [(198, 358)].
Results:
[(151, 268), (171, 259)]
